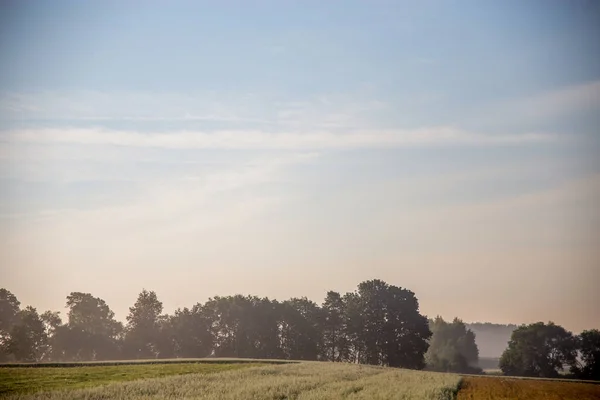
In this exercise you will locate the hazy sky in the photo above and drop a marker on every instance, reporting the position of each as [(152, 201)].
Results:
[(287, 148)]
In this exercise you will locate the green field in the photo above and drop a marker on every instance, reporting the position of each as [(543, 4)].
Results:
[(265, 379), (30, 379)]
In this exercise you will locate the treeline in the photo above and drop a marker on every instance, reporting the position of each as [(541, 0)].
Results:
[(376, 324), (550, 351)]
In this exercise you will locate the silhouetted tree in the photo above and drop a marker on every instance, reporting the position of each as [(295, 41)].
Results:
[(540, 350), (452, 347), (9, 308), (335, 343), (143, 330), (192, 335), (91, 332), (27, 340), (353, 328), (300, 329), (393, 333), (243, 326), (589, 353)]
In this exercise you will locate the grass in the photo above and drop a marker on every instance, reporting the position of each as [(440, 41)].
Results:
[(302, 381), (14, 380), (269, 380), (500, 388)]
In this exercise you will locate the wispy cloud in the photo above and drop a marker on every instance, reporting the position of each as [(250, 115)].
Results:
[(324, 110), (438, 136), (575, 98)]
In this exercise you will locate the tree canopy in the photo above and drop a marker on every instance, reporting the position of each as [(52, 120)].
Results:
[(540, 350), (452, 347), (588, 365)]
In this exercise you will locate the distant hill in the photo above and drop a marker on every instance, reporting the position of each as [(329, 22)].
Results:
[(491, 339)]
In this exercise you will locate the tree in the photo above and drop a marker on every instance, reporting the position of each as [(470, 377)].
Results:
[(143, 326), (192, 333), (353, 328), (300, 329), (52, 323), (244, 326), (27, 336), (393, 332), (539, 350), (9, 308), (452, 347), (91, 332), (589, 354), (335, 342)]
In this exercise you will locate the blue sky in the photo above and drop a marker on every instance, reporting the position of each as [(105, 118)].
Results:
[(287, 148)]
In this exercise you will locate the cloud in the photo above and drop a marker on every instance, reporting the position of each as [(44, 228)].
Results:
[(256, 139), (331, 110), (567, 100)]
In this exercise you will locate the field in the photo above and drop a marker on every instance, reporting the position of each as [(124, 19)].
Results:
[(310, 380), (30, 379), (256, 379), (498, 388)]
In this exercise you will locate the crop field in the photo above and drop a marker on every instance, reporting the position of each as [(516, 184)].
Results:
[(31, 379), (264, 379), (499, 388), (310, 380)]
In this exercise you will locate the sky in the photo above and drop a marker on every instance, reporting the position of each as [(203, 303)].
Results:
[(288, 148)]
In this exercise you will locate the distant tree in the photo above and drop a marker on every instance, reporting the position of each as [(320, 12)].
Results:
[(335, 342), (353, 329), (243, 326), (589, 353), (300, 329), (52, 323), (9, 308), (91, 332), (192, 334), (143, 330), (393, 333), (27, 339), (452, 347), (539, 350)]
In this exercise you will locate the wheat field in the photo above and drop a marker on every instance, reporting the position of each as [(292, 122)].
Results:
[(310, 380)]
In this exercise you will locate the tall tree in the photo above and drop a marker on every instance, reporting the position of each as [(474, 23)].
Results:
[(243, 326), (394, 332), (52, 324), (335, 343), (540, 350), (452, 347), (9, 308), (300, 329), (91, 332), (143, 326), (353, 328), (192, 333), (28, 338), (589, 354)]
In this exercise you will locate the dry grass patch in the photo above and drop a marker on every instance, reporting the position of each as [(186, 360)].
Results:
[(482, 388)]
